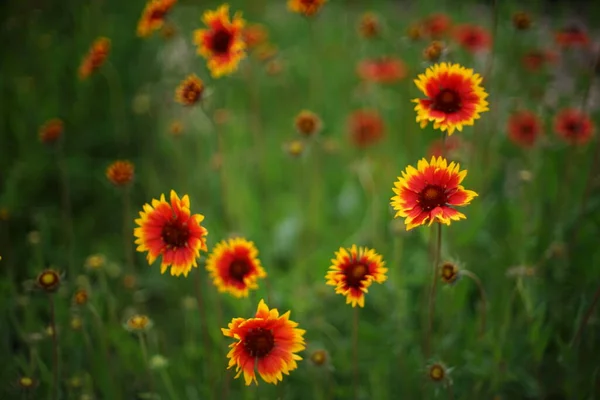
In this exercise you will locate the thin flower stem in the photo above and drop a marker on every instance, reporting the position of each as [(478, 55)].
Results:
[(127, 230), (432, 293), (55, 374), (116, 91), (355, 351), (144, 349), (100, 329), (226, 377), (202, 314), (586, 317), (168, 384), (66, 206), (477, 281), (450, 391)]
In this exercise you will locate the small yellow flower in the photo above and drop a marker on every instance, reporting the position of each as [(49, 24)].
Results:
[(138, 323), (437, 372), (95, 261), (48, 280), (295, 148), (319, 357)]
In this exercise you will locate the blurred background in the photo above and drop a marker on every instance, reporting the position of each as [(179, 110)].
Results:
[(530, 238)]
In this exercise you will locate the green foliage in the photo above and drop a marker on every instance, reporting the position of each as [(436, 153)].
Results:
[(298, 210)]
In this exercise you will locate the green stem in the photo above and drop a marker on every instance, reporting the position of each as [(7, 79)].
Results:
[(477, 281), (55, 373), (168, 384), (116, 91), (355, 351), (127, 229), (432, 293)]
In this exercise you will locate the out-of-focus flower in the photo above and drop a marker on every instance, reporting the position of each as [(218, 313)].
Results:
[(382, 70), (95, 58), (472, 37), (307, 123), (365, 127), (573, 126), (120, 173), (51, 131), (524, 127), (189, 91), (307, 8)]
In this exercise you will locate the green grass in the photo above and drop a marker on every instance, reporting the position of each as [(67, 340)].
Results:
[(298, 211)]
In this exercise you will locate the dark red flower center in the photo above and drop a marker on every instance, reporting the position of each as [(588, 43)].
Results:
[(431, 197), (157, 14), (221, 41), (355, 274), (573, 128), (527, 129), (238, 269), (192, 92), (258, 342), (307, 2), (447, 101), (175, 234), (307, 125)]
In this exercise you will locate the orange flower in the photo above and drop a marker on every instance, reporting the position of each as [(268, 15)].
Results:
[(95, 57), (51, 131), (268, 341), (536, 59), (353, 270), (572, 36), (305, 7), (573, 126), (429, 193), (369, 25), (153, 16), (414, 31), (434, 51), (521, 20), (222, 44), (234, 267), (366, 127), (171, 231), (190, 90), (382, 70), (436, 25), (81, 297), (254, 35), (120, 173), (308, 123), (454, 97), (472, 37), (524, 128)]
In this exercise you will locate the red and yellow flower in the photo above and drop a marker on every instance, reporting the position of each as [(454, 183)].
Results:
[(255, 35), (436, 25), (51, 131), (190, 90), (95, 57), (153, 16), (365, 127), (382, 70), (455, 97), (171, 231), (524, 127), (572, 36), (472, 37), (305, 7), (573, 126), (120, 173), (268, 342), (222, 44), (534, 60), (353, 271), (430, 192), (234, 267)]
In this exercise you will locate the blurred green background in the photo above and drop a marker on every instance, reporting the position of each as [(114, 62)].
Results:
[(537, 208)]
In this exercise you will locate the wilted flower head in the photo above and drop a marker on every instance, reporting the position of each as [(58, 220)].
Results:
[(307, 123), (434, 51), (319, 357), (369, 25), (449, 272), (81, 297), (521, 20), (437, 372)]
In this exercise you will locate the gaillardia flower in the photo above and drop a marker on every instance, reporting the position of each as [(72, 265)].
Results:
[(573, 126), (153, 16), (307, 123), (268, 342), (189, 91), (436, 25), (429, 193), (306, 7), (524, 127), (572, 36), (51, 131), (171, 231), (120, 173), (455, 97), (234, 267), (365, 127), (382, 70), (95, 57), (352, 272), (472, 37), (222, 44)]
